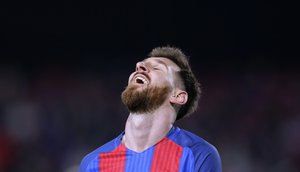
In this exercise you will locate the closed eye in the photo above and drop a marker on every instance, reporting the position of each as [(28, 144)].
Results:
[(156, 68)]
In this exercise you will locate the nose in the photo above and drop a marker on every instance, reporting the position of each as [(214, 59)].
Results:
[(141, 67)]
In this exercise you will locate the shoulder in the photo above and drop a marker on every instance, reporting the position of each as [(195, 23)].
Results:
[(205, 155), (108, 147), (190, 140)]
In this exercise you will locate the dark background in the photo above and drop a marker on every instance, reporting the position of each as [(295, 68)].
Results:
[(64, 64)]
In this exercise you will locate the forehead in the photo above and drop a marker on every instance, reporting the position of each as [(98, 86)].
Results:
[(162, 60)]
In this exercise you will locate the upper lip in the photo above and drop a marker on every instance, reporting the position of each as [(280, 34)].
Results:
[(142, 76)]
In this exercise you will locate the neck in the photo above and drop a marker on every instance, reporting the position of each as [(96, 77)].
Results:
[(144, 130)]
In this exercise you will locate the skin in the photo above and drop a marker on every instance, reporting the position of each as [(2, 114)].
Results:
[(144, 130)]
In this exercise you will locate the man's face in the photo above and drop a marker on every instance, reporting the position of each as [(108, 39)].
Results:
[(150, 85)]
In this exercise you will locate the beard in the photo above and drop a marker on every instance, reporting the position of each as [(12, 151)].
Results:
[(146, 100)]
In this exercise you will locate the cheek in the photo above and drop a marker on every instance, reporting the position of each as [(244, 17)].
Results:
[(130, 78), (171, 80), (164, 81)]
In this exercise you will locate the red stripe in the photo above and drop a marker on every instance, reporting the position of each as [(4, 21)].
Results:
[(166, 156), (113, 161)]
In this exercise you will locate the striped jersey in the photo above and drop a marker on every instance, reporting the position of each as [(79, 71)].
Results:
[(179, 151)]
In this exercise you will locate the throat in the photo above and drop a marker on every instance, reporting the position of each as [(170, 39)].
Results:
[(143, 132)]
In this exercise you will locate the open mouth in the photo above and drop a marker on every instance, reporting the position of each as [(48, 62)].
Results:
[(141, 80)]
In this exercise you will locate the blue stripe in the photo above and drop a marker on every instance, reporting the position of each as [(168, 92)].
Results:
[(186, 160), (137, 162), (93, 166)]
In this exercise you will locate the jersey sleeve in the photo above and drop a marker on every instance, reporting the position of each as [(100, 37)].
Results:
[(87, 159), (208, 160), (94, 154)]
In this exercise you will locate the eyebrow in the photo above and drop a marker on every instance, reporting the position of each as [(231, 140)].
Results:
[(158, 61)]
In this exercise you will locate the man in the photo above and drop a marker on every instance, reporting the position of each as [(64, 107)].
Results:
[(162, 89)]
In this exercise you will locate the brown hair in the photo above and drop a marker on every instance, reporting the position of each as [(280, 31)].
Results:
[(192, 86)]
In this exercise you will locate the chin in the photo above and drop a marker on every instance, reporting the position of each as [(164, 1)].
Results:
[(144, 99)]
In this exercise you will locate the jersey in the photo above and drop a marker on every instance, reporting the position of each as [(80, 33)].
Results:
[(178, 151)]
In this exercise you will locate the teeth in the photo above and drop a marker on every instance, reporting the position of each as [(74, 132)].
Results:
[(142, 79)]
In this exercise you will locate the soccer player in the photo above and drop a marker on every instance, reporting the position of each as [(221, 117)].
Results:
[(161, 90)]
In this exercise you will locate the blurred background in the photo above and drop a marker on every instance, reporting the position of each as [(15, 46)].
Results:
[(64, 65)]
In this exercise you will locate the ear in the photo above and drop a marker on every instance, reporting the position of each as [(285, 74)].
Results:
[(180, 97)]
